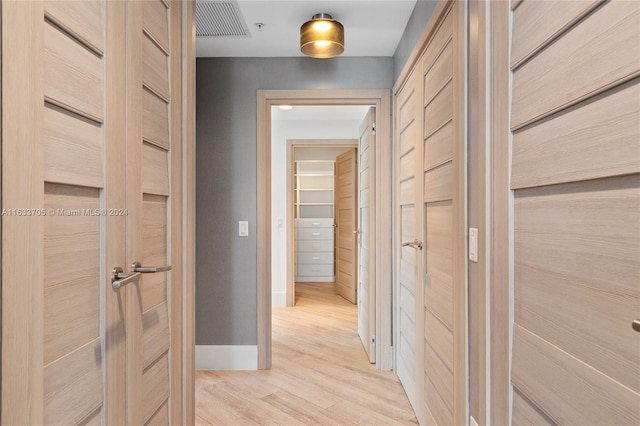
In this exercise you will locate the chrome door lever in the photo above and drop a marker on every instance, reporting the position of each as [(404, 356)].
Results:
[(636, 325), (137, 267), (414, 244), (120, 278), (355, 231)]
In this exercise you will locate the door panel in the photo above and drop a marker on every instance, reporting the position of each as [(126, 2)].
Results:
[(576, 179), (366, 268), (408, 119), (346, 241), (76, 351)]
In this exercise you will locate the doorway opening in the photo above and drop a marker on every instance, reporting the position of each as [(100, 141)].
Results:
[(379, 225)]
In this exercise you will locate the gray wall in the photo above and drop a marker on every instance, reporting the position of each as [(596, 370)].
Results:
[(226, 176), (419, 17)]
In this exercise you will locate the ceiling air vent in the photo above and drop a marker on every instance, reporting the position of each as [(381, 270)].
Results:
[(220, 19)]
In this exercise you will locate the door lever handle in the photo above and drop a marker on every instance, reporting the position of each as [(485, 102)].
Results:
[(120, 278), (137, 267), (414, 244), (636, 325)]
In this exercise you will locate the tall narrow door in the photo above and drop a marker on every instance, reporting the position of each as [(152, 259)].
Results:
[(72, 106), (575, 176), (346, 221), (366, 268), (408, 183)]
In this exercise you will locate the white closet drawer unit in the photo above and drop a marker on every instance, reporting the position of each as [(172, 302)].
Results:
[(314, 246), (315, 258), (315, 270), (315, 233), (314, 223)]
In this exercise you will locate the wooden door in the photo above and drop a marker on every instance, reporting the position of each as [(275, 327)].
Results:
[(408, 184), (153, 201), (366, 267), (575, 177), (346, 221), (71, 108)]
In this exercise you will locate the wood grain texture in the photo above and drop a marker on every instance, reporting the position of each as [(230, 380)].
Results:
[(156, 23), (439, 336), (155, 119), (407, 192), (570, 391), (71, 269), (82, 19), (155, 386), (155, 325), (73, 149), (115, 226), (434, 403), (155, 68), (332, 384), (537, 23), (439, 111), (154, 249), (592, 140), (439, 183), (525, 413), (439, 74), (438, 148), (593, 56), (438, 289), (155, 170), (577, 273), (73, 75), (439, 374), (73, 387), (436, 44), (160, 417)]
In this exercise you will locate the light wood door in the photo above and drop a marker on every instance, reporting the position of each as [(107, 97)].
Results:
[(366, 267), (74, 349), (575, 175), (408, 156), (346, 186)]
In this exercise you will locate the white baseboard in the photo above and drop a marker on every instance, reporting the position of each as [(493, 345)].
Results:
[(226, 357), (279, 299)]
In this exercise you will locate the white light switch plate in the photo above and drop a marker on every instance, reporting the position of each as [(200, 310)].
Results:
[(473, 244), (243, 228)]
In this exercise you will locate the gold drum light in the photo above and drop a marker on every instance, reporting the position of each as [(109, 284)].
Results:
[(322, 37)]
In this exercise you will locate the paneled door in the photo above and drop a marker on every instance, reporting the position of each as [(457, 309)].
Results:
[(366, 198), (88, 168), (575, 178), (346, 184), (408, 183)]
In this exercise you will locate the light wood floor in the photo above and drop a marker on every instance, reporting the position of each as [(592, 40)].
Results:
[(320, 374)]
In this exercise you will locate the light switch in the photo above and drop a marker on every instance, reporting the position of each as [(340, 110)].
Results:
[(473, 244), (243, 228)]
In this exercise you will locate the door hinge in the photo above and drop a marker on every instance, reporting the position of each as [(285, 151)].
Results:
[(373, 339), (373, 128)]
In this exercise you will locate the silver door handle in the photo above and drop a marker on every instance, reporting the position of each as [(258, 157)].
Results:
[(636, 325), (137, 267), (355, 231), (120, 278), (415, 244)]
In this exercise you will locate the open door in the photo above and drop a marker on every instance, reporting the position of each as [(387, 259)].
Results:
[(366, 198), (346, 229), (91, 174)]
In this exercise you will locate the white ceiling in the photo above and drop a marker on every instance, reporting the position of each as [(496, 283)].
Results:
[(320, 113), (372, 27)]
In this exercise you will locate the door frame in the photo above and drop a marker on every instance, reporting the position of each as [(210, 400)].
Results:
[(291, 145), (381, 99)]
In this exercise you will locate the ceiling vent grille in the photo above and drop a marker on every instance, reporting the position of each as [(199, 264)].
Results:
[(220, 19)]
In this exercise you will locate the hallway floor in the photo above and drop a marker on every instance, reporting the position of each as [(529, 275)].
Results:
[(320, 374)]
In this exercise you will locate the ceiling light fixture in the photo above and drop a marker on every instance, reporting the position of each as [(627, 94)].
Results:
[(322, 37)]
